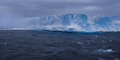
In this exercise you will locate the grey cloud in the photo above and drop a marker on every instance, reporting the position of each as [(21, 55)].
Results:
[(34, 8)]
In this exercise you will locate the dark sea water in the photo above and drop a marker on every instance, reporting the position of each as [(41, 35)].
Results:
[(45, 45)]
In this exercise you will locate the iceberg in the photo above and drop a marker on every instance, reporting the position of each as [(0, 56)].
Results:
[(75, 23), (69, 23)]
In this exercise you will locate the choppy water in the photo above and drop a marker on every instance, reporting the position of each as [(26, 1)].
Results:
[(45, 45)]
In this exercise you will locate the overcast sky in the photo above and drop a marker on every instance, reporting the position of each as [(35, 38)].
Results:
[(39, 8)]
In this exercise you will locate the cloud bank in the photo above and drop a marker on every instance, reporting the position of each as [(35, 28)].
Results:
[(39, 8)]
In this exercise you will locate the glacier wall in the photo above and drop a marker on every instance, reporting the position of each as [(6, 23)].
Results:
[(74, 22)]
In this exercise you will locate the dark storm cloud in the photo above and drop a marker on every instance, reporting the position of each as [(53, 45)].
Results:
[(34, 8)]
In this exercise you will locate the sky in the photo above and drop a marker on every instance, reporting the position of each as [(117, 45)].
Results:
[(40, 8)]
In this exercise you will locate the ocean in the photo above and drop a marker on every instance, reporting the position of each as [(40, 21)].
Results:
[(47, 45)]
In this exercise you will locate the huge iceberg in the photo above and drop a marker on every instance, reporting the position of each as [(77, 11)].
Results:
[(75, 22)]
